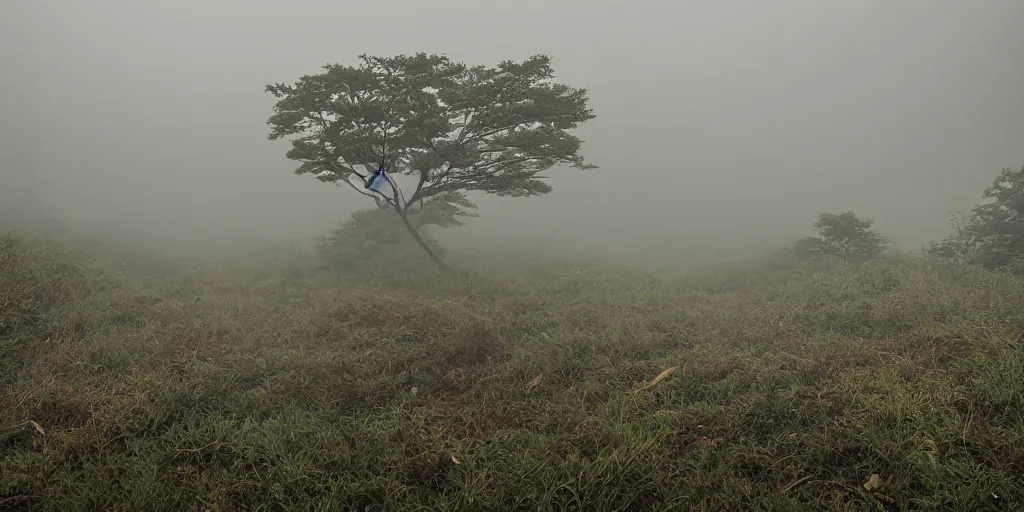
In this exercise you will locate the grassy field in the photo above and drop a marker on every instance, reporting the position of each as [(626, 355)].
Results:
[(265, 383)]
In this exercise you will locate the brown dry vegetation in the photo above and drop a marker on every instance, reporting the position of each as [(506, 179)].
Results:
[(265, 383)]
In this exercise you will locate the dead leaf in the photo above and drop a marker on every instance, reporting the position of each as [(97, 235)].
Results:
[(874, 482), (456, 461), (37, 427), (534, 383), (661, 376)]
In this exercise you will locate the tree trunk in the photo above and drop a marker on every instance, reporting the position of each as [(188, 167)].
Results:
[(423, 243)]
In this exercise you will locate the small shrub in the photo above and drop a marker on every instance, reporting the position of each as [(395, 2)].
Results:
[(372, 238), (844, 235)]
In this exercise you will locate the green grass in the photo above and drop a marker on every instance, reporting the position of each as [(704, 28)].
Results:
[(267, 384)]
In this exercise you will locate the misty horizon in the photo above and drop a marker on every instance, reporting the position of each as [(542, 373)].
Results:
[(744, 120)]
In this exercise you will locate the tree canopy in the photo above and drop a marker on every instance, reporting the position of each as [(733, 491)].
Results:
[(843, 234), (993, 236), (456, 128)]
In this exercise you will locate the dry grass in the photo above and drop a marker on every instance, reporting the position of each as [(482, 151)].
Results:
[(267, 385)]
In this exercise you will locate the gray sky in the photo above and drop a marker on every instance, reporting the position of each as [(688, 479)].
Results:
[(745, 118)]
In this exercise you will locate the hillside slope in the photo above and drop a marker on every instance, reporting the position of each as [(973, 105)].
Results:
[(263, 382)]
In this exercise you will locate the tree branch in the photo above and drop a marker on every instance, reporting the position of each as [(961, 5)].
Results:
[(488, 133), (420, 194), (510, 161), (419, 186), (350, 184), (467, 121)]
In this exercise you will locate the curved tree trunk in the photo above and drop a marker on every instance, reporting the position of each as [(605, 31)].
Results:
[(423, 243)]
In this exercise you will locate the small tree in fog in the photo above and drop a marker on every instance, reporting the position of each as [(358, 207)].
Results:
[(369, 237), (453, 127), (962, 246), (845, 235), (993, 236)]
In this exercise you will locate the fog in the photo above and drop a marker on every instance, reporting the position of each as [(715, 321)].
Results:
[(719, 124)]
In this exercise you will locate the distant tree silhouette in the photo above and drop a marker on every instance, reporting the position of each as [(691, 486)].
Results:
[(993, 233), (845, 235)]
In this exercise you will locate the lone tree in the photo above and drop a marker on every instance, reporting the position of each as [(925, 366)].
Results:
[(453, 127), (993, 236), (843, 234)]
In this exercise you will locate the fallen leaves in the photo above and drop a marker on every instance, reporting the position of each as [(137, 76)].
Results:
[(874, 482), (873, 485), (661, 376), (534, 383)]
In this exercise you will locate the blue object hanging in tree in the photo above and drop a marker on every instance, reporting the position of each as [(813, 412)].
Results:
[(377, 180)]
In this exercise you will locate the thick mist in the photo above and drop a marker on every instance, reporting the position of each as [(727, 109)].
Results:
[(720, 125)]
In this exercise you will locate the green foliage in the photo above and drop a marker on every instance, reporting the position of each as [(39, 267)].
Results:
[(993, 236), (455, 128), (845, 235), (962, 246)]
